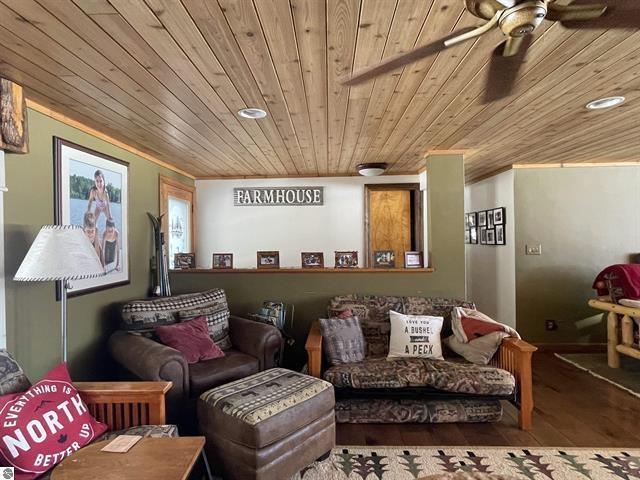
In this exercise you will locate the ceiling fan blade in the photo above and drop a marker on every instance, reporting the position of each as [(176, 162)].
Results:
[(402, 59), (566, 13), (506, 61), (618, 14)]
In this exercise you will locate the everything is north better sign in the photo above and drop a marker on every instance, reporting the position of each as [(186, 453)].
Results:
[(278, 196)]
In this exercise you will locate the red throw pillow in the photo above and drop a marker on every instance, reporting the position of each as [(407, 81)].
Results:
[(45, 424), (474, 328), (190, 338)]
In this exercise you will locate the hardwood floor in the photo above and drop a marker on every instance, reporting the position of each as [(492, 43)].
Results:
[(572, 409)]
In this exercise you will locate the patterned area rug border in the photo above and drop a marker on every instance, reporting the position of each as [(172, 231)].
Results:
[(470, 462)]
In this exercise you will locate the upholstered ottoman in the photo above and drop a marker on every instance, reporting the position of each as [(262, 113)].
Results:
[(267, 426)]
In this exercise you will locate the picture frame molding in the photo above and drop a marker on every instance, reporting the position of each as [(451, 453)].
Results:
[(320, 255), (58, 143), (407, 264), (352, 253), (392, 264), (268, 253), (213, 262)]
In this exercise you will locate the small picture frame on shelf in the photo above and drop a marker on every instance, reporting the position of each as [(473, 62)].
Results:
[(473, 235), (482, 219), (500, 235), (412, 259), (222, 261), (498, 216), (346, 259), (184, 261), (491, 236), (268, 259), (384, 259), (483, 235), (312, 259)]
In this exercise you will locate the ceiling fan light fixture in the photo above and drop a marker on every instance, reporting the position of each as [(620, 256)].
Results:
[(607, 102), (252, 113), (371, 169)]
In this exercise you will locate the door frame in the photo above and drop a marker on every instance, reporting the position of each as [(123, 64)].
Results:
[(418, 214), (167, 186)]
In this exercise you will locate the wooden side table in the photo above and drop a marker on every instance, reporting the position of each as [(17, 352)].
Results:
[(149, 459)]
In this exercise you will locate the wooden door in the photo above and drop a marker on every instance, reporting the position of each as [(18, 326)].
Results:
[(177, 204), (393, 220)]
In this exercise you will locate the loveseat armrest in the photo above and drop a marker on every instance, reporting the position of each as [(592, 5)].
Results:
[(152, 361), (259, 340), (313, 346), (514, 355), (125, 404)]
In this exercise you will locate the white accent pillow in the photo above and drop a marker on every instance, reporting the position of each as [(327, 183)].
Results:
[(480, 350), (415, 336)]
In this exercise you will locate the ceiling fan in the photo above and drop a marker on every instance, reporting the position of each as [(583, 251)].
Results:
[(518, 20)]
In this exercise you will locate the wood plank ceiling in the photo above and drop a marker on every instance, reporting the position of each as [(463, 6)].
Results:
[(168, 76)]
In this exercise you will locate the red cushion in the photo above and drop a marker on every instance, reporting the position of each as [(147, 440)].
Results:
[(474, 328), (48, 422), (190, 338)]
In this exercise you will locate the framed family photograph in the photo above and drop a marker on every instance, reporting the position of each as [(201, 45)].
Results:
[(473, 235), (491, 237), (92, 191), (222, 261), (467, 236), (498, 216), (312, 259), (183, 261), (268, 259), (500, 236), (482, 219), (483, 235), (412, 259), (347, 259), (384, 259)]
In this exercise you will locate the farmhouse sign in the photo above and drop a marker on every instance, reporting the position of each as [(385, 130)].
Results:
[(278, 196)]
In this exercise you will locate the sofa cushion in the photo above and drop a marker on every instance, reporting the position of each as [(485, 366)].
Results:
[(191, 339), (444, 375), (12, 377), (342, 340), (145, 315), (212, 373)]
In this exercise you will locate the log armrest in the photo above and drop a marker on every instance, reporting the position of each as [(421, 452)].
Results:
[(514, 355), (125, 404), (313, 346), (259, 340), (152, 361)]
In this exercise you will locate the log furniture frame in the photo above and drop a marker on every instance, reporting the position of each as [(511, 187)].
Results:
[(620, 321), (123, 405), (514, 355)]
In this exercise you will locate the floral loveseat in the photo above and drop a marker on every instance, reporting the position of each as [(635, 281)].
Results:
[(417, 390)]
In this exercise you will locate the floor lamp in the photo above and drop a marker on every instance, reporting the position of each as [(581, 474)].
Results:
[(60, 253)]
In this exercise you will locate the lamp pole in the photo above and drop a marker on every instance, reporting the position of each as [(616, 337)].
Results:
[(64, 285)]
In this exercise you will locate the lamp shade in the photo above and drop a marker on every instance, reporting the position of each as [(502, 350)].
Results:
[(60, 252)]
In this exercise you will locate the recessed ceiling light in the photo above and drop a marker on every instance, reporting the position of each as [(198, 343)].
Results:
[(252, 113), (605, 103), (371, 169)]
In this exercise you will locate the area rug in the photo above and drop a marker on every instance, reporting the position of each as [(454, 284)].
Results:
[(627, 377), (400, 463)]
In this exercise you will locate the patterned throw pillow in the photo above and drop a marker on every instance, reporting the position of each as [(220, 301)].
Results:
[(415, 336), (12, 377), (342, 340), (191, 339), (217, 322)]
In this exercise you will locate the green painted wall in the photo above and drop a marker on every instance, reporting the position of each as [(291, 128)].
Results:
[(309, 292), (585, 219), (33, 316)]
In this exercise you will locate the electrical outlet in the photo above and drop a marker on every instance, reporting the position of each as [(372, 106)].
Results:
[(533, 249), (550, 325)]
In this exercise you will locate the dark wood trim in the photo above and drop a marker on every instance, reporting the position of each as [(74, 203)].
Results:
[(571, 347), (418, 215), (306, 270)]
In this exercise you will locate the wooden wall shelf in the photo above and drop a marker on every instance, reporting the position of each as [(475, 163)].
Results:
[(305, 270)]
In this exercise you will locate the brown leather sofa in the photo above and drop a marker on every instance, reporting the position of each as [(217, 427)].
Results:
[(255, 347)]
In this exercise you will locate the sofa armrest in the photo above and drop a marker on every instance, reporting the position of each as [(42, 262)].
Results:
[(129, 404), (314, 350), (256, 339), (151, 361), (514, 355)]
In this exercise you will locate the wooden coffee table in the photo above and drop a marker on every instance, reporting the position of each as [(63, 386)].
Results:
[(149, 459)]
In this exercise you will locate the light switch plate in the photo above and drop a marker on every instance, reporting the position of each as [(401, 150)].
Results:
[(533, 249)]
